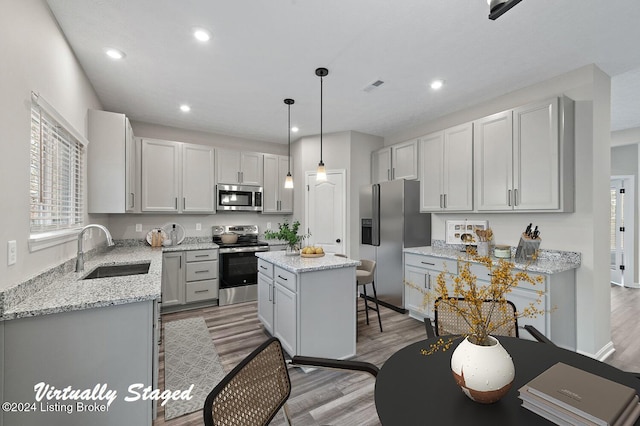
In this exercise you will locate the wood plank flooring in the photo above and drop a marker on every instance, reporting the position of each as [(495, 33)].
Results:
[(325, 397)]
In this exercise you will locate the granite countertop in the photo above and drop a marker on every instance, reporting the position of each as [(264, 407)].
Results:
[(297, 264), (68, 292), (548, 262), (188, 246), (273, 242)]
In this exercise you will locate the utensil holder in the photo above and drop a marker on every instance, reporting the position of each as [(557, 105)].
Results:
[(527, 248), (483, 248)]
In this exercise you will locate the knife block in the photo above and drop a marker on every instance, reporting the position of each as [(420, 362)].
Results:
[(527, 248)]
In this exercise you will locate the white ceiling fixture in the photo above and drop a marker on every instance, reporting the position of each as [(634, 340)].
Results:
[(294, 129), (437, 84), (114, 53), (373, 85), (201, 34), (185, 108)]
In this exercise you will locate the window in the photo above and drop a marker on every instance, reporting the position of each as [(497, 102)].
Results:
[(56, 177)]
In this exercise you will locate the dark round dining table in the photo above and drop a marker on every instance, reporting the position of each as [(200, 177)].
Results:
[(415, 389)]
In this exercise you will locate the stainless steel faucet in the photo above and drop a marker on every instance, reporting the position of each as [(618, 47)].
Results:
[(80, 258)]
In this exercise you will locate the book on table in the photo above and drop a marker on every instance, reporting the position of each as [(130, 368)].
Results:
[(577, 397)]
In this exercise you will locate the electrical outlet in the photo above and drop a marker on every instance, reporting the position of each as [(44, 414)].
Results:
[(198, 227), (12, 252), (138, 227), (268, 225)]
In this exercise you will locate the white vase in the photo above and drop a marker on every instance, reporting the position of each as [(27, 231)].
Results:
[(485, 373)]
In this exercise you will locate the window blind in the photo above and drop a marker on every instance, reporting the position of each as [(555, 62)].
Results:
[(56, 182)]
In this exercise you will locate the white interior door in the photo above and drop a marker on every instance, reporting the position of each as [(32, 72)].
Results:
[(622, 219), (325, 211)]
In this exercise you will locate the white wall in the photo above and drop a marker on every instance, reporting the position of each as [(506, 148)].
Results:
[(35, 57), (585, 230)]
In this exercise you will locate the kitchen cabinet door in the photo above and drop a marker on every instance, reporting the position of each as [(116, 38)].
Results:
[(381, 165), (160, 175), (173, 279), (276, 198), (284, 318), (237, 167), (414, 297), (493, 162), (404, 160), (536, 156), (432, 172), (457, 181), (265, 302), (198, 179), (112, 183)]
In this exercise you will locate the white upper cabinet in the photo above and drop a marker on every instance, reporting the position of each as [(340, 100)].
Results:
[(399, 161), (524, 158), (404, 160), (197, 179), (381, 165), (446, 170), (236, 167), (112, 164), (276, 198), (177, 177)]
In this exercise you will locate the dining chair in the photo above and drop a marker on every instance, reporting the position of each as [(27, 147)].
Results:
[(259, 386), (444, 317)]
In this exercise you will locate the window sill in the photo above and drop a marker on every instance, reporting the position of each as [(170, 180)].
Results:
[(43, 240)]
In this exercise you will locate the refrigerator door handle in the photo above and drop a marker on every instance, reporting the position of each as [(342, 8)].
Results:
[(375, 228)]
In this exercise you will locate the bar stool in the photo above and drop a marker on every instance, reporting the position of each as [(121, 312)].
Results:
[(364, 276)]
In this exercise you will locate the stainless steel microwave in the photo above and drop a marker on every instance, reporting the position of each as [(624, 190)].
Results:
[(239, 198)]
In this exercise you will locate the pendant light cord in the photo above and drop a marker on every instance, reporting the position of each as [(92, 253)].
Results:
[(289, 133), (321, 81)]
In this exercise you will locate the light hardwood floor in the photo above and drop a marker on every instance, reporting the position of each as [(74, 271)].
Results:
[(325, 397)]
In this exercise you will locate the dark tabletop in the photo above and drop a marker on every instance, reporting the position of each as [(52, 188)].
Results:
[(416, 389)]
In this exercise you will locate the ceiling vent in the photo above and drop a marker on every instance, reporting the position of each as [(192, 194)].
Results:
[(373, 85)]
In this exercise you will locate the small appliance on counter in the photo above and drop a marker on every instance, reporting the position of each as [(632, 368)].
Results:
[(238, 265)]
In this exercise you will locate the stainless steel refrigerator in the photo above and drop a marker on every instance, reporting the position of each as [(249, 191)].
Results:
[(390, 220)]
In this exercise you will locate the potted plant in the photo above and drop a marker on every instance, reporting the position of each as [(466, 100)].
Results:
[(480, 365), (288, 233)]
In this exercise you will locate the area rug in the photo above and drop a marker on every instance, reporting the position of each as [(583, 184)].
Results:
[(190, 357)]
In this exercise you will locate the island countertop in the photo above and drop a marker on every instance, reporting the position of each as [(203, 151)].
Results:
[(297, 264)]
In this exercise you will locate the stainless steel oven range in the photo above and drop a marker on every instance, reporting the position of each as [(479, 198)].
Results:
[(238, 263)]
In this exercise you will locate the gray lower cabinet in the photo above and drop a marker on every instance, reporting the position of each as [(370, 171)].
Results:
[(111, 346), (557, 295), (189, 277)]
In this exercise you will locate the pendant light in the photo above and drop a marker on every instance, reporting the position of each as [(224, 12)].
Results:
[(288, 181), (321, 173)]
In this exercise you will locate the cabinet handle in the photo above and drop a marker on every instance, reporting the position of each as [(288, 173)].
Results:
[(184, 203), (515, 197), (445, 200), (509, 198), (242, 177), (283, 278), (263, 267), (180, 267), (133, 199), (176, 203), (202, 255), (273, 294), (201, 291), (441, 200), (393, 173), (270, 298), (388, 174), (202, 272), (428, 263), (427, 283)]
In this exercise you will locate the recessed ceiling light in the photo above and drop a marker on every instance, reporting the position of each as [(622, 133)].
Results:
[(437, 84), (185, 108), (294, 129), (114, 53), (201, 34)]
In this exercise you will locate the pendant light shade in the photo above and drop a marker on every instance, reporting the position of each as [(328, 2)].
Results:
[(288, 181), (321, 174)]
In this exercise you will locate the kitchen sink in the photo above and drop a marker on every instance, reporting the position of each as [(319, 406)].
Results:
[(120, 270)]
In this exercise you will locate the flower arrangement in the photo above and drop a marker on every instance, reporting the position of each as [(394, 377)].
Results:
[(287, 233), (463, 294)]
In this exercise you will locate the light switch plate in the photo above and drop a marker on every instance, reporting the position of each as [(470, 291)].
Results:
[(268, 225), (12, 252), (138, 227), (198, 227)]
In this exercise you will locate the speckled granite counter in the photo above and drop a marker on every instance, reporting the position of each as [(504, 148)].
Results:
[(548, 262), (273, 242), (297, 264), (68, 292)]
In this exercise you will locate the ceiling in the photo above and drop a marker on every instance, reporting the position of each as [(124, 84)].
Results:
[(263, 51)]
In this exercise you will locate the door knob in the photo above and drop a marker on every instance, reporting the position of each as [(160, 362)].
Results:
[(338, 241)]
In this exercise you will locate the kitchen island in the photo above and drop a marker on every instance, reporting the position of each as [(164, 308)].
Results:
[(309, 303)]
